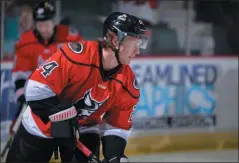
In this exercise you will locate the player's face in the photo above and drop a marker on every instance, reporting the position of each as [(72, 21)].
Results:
[(46, 28), (129, 49)]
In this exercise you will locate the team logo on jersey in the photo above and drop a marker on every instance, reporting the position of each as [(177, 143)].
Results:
[(135, 84), (88, 104), (76, 47)]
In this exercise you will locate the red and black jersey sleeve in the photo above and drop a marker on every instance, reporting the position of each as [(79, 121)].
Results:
[(127, 96)]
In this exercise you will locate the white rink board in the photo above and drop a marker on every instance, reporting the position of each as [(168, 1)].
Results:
[(186, 86)]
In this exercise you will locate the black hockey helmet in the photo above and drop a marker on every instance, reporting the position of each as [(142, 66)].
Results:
[(123, 24), (45, 10)]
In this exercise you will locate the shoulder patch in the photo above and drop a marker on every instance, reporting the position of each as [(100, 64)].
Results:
[(135, 84), (76, 47)]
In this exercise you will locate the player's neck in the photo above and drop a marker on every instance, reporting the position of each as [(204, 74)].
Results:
[(109, 60)]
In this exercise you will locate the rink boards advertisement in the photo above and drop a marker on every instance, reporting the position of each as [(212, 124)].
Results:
[(7, 101), (186, 93), (175, 93)]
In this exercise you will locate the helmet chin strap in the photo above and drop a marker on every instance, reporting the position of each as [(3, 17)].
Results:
[(116, 51), (117, 56)]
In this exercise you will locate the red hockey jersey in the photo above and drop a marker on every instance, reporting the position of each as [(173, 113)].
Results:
[(31, 50), (75, 74)]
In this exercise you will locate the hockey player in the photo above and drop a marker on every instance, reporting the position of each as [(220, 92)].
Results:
[(90, 80), (34, 47)]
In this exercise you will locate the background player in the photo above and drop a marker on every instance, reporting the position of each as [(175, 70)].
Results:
[(92, 80), (34, 47)]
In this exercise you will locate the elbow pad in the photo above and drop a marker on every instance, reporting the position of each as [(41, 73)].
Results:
[(41, 108)]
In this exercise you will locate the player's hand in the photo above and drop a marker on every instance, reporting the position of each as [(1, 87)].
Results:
[(61, 122)]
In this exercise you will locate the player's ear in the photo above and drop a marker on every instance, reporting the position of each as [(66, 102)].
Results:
[(114, 38)]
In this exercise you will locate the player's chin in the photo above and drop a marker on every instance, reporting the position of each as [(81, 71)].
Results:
[(46, 37)]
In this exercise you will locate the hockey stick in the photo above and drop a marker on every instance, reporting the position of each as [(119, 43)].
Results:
[(19, 119), (9, 141), (92, 158), (87, 152), (15, 128)]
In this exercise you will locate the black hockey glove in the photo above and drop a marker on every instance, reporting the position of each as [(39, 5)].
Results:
[(19, 88), (113, 149), (20, 102), (62, 118)]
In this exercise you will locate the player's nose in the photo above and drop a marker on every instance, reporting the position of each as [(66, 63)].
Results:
[(137, 51)]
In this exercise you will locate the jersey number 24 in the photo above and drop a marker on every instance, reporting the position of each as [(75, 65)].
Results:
[(48, 68)]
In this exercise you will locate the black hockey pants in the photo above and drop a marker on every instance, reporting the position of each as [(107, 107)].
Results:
[(29, 148)]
